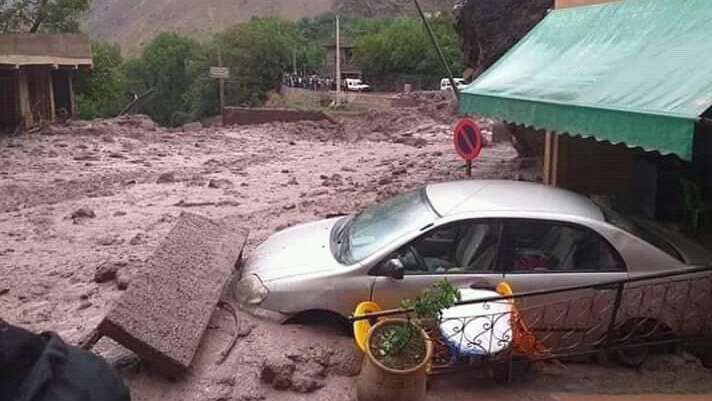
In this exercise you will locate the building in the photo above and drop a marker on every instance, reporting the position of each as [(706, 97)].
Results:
[(37, 75), (621, 96), (348, 68)]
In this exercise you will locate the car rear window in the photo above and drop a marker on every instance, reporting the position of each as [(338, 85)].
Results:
[(653, 238)]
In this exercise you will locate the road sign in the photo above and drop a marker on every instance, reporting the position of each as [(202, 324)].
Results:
[(220, 72), (467, 139)]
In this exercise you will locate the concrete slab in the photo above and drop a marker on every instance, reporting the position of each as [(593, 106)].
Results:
[(166, 309)]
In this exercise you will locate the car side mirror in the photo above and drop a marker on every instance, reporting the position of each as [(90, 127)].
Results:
[(393, 268)]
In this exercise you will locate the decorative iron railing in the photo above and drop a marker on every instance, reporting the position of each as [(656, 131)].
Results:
[(615, 316)]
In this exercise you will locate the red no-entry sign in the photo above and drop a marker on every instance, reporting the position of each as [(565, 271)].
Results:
[(467, 139)]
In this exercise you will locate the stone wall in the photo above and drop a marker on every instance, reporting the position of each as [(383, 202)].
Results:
[(248, 115)]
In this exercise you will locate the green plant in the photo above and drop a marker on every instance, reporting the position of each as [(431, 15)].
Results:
[(394, 340)]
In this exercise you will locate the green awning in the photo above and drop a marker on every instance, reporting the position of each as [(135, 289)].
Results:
[(637, 72)]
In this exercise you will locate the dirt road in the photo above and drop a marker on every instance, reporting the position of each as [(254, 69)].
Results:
[(102, 195)]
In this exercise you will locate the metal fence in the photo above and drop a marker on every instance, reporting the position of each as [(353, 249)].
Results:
[(624, 318)]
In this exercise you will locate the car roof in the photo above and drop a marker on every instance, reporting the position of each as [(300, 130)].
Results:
[(457, 197)]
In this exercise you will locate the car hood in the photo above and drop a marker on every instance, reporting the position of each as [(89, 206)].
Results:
[(300, 250), (691, 251)]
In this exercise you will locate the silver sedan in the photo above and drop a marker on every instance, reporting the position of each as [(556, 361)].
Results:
[(471, 232)]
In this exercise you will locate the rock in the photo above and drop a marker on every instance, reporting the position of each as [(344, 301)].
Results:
[(399, 171), (195, 126), (219, 183), (437, 153), (418, 142), (385, 181), (305, 385), (119, 213), (82, 213), (290, 206), (109, 240), (166, 178), (336, 180), (251, 396), (123, 280), (278, 374), (138, 239), (39, 289), (148, 125), (662, 363), (245, 330), (293, 181), (4, 291), (314, 369), (285, 171), (105, 272), (85, 304), (226, 381), (348, 169)]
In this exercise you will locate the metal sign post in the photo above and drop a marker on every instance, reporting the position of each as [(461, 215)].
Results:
[(468, 142), (221, 74)]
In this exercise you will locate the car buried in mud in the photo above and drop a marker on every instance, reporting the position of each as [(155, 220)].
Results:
[(477, 232)]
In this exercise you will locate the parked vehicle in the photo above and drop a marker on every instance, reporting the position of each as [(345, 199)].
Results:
[(446, 86), (477, 232), (355, 85)]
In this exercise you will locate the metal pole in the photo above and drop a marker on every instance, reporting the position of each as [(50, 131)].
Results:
[(221, 81), (455, 89), (338, 63), (468, 168)]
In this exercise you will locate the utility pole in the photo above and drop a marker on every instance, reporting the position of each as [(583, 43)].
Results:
[(434, 42), (338, 63), (221, 81)]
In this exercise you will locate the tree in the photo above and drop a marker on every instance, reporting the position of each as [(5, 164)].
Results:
[(54, 16), (257, 52), (403, 47), (101, 93), (164, 65)]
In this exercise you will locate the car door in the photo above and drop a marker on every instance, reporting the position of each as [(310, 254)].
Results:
[(465, 253), (543, 255)]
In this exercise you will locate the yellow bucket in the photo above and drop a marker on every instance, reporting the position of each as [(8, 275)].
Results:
[(361, 327)]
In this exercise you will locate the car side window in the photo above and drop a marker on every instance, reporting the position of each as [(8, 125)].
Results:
[(544, 246), (454, 249)]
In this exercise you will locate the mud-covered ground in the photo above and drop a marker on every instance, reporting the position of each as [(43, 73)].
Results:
[(86, 195)]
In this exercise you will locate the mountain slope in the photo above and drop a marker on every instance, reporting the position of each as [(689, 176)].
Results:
[(133, 22)]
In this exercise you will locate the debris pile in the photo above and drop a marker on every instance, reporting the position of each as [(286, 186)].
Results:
[(305, 371), (127, 125)]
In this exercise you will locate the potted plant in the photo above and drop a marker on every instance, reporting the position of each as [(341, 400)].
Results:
[(398, 351)]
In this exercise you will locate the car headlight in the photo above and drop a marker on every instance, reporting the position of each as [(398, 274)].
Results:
[(250, 290)]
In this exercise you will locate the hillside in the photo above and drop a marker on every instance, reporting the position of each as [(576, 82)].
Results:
[(132, 22)]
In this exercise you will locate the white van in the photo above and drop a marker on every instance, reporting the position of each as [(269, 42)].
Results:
[(355, 85), (445, 84)]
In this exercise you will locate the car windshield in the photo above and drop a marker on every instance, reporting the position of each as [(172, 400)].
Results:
[(653, 238), (379, 225)]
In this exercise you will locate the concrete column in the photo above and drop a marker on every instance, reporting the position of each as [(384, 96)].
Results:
[(50, 94), (23, 94), (72, 101)]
